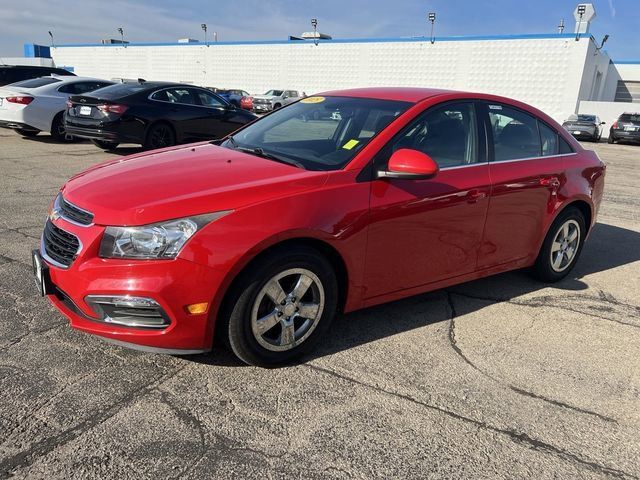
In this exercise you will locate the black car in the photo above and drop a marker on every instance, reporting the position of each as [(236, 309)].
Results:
[(584, 127), (152, 114), (17, 73), (627, 127)]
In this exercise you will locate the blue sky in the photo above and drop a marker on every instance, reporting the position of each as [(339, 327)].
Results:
[(164, 20)]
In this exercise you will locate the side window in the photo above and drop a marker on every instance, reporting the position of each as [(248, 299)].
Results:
[(68, 88), (176, 95), (448, 134), (208, 100), (565, 148), (549, 139), (515, 133)]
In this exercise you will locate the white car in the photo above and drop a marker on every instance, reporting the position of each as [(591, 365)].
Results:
[(38, 104), (274, 99)]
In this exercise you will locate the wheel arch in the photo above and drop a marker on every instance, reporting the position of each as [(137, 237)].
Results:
[(324, 248), (60, 115), (584, 206), (161, 122)]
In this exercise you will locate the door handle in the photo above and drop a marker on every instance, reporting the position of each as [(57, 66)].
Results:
[(552, 182), (474, 195)]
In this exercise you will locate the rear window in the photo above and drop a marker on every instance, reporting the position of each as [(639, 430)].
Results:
[(627, 117), (36, 82), (119, 90), (587, 118)]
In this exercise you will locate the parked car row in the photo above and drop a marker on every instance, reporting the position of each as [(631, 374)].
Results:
[(589, 127)]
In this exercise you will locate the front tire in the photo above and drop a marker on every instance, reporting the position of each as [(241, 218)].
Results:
[(281, 307), (277, 106), (561, 247), (27, 133), (105, 145)]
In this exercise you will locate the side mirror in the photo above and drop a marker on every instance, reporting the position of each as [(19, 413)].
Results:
[(603, 123), (410, 164)]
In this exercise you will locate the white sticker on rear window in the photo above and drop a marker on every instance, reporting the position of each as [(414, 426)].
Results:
[(495, 107)]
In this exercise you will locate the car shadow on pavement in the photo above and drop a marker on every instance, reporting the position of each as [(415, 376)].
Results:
[(608, 247)]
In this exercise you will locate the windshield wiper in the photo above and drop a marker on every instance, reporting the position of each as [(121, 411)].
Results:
[(258, 151)]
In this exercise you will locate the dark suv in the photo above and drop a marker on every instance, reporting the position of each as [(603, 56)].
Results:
[(17, 73), (627, 128)]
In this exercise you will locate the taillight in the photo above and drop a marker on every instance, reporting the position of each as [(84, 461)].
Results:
[(120, 109), (615, 125), (22, 100), (69, 104)]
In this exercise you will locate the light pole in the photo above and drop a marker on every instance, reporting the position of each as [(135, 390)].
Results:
[(51, 35), (204, 29), (432, 19), (121, 32), (582, 8), (314, 24)]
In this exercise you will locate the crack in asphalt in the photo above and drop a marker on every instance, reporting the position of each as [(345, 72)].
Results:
[(551, 301), (517, 437), (454, 344), (41, 448)]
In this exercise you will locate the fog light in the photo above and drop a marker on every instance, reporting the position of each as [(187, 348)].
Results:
[(139, 312), (197, 308)]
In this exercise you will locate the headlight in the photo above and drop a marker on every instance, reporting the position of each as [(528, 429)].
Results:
[(162, 240)]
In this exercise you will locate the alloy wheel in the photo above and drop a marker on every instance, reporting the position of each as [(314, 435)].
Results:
[(287, 309), (565, 245)]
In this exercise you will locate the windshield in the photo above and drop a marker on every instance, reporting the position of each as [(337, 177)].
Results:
[(630, 117), (118, 90), (319, 133), (587, 118), (36, 82), (274, 93)]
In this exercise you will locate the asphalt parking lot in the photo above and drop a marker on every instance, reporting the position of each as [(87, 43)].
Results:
[(498, 378)]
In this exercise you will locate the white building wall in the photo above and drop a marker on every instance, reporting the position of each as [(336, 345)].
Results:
[(548, 73)]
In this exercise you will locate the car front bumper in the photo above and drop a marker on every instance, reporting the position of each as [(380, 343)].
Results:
[(171, 285)]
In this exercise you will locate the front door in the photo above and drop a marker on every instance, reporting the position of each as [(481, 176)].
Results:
[(423, 231)]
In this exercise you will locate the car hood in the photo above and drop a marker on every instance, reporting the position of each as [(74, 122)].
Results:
[(263, 97), (183, 181)]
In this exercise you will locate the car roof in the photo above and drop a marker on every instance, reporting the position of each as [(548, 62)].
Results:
[(67, 79), (405, 94)]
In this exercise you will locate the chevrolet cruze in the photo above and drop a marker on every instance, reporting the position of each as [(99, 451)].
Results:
[(339, 201)]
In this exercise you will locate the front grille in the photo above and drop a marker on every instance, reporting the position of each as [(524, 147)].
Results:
[(261, 101), (60, 246), (75, 214)]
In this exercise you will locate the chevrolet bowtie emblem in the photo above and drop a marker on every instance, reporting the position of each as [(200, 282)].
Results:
[(54, 215)]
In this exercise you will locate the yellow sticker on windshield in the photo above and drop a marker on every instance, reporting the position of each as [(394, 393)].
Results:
[(350, 144), (312, 100)]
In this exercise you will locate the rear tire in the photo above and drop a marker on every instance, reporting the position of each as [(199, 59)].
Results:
[(561, 247), (27, 133), (58, 132), (263, 321), (160, 135), (611, 139), (105, 145)]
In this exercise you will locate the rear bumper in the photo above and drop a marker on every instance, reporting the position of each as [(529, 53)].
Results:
[(622, 135), (114, 132)]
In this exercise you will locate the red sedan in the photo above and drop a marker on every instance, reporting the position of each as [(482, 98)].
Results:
[(337, 202)]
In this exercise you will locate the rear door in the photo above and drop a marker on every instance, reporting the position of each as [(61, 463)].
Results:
[(181, 107), (526, 171)]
